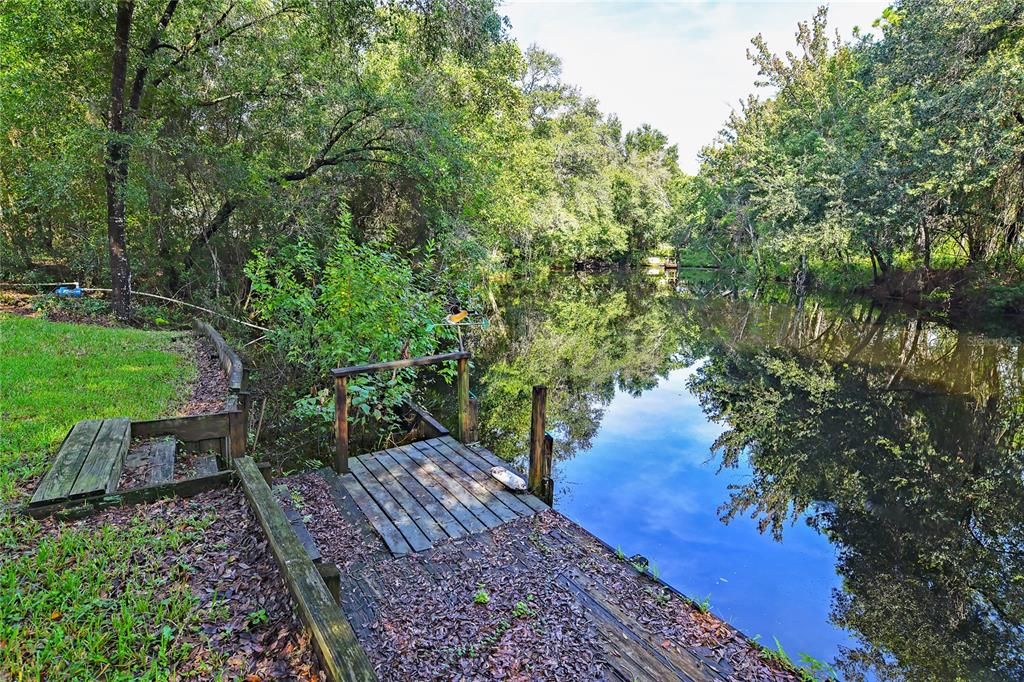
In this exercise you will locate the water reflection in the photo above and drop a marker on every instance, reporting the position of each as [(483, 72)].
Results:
[(869, 464)]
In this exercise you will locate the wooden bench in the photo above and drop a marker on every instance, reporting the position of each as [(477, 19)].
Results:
[(88, 462)]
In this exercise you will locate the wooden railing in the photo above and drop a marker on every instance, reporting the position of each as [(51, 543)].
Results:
[(342, 374)]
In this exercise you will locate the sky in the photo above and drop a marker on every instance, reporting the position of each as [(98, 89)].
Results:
[(680, 66)]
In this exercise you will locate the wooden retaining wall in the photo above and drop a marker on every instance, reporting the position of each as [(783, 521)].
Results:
[(224, 432), (335, 642)]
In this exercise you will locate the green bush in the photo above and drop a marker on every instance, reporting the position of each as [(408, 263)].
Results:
[(360, 305)]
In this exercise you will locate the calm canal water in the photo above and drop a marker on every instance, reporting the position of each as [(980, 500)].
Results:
[(839, 477)]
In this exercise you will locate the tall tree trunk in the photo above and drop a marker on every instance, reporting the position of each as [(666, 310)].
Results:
[(116, 167), (926, 242)]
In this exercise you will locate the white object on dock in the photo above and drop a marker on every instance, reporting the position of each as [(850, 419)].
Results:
[(508, 479)]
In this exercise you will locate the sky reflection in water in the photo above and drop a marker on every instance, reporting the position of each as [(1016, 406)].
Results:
[(649, 486)]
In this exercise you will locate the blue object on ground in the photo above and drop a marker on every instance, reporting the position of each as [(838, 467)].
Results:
[(69, 292)]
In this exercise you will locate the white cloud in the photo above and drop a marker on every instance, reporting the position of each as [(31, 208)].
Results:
[(680, 66)]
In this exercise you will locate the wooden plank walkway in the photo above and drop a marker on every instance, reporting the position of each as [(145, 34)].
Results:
[(417, 495)]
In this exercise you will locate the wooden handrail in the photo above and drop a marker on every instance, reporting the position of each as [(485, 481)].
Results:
[(400, 364), (341, 401)]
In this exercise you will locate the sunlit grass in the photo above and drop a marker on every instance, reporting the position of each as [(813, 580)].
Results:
[(88, 602), (54, 374)]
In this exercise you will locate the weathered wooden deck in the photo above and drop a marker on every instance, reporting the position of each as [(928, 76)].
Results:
[(447, 527), (417, 495)]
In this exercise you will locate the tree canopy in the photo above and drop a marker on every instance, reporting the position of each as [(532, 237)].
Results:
[(898, 148)]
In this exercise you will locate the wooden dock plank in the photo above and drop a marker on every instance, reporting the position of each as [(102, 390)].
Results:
[(58, 481), (480, 492), (101, 469), (485, 479), (635, 655), (436, 510), (464, 516), (424, 521), (378, 519), (472, 453), (406, 526), (679, 658), (480, 510), (339, 651)]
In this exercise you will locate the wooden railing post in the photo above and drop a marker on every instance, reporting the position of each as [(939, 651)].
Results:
[(465, 413), (341, 425), (537, 430)]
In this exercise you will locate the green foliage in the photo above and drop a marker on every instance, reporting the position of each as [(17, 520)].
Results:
[(258, 121), (901, 149), (53, 375), (524, 609), (481, 596), (353, 305)]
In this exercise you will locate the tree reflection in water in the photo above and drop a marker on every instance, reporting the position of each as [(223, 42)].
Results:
[(899, 439)]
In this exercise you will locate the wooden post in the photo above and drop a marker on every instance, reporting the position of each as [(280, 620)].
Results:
[(537, 419), (474, 423), (236, 433), (341, 425), (465, 416), (548, 485)]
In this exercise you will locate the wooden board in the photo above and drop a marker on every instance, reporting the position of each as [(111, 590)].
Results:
[(101, 469), (206, 465), (424, 521), (478, 491), (427, 425), (630, 655), (459, 512), (302, 533), (195, 428), (378, 519), (229, 360), (339, 651), (484, 478), (427, 467), (434, 507), (412, 534), (161, 461), (58, 481), (84, 506), (681, 660)]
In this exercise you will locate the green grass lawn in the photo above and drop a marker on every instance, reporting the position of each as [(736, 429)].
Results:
[(55, 374), (91, 600)]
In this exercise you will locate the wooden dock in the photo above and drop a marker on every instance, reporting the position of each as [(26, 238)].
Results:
[(417, 495)]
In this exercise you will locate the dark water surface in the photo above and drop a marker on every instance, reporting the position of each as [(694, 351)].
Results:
[(841, 477)]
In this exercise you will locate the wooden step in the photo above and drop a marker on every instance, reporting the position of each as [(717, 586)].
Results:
[(88, 462), (58, 481), (206, 465), (151, 462), (101, 470)]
